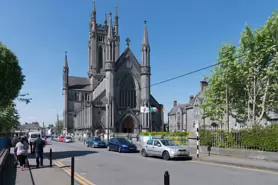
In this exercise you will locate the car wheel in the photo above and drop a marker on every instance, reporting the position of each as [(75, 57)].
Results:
[(119, 149), (144, 153), (166, 155), (108, 147)]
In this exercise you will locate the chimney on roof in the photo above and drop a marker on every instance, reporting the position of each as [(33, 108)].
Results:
[(175, 103), (203, 84), (191, 98)]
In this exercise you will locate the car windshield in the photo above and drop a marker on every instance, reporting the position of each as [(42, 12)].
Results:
[(168, 143), (96, 139), (123, 141), (35, 135)]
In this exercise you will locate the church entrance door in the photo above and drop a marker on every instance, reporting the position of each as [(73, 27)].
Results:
[(128, 125)]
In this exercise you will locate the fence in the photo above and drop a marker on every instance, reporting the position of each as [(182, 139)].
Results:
[(262, 139), (5, 141)]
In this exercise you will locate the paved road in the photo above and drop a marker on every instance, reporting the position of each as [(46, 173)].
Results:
[(102, 167)]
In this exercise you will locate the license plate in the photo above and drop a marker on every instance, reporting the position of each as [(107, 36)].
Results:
[(131, 148)]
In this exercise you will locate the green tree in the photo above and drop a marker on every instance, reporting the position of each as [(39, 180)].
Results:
[(245, 83), (59, 126), (220, 97), (11, 77), (11, 82), (8, 118), (259, 54)]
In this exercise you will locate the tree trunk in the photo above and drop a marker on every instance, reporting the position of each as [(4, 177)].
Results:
[(227, 109), (254, 101), (263, 103)]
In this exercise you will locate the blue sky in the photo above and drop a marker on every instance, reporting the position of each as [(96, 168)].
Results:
[(184, 35)]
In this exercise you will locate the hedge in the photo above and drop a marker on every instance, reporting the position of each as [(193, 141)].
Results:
[(185, 134), (256, 138), (180, 138)]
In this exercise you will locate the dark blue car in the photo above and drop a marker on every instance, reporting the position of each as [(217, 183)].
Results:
[(121, 145), (95, 142)]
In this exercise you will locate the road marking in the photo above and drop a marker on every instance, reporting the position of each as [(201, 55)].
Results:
[(87, 182), (77, 177), (69, 173), (236, 167)]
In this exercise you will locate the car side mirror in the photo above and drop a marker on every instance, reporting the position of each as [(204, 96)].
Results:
[(159, 145)]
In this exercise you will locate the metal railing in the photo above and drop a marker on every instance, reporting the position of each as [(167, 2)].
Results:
[(239, 140)]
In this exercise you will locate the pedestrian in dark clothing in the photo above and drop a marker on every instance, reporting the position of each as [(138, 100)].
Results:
[(38, 145)]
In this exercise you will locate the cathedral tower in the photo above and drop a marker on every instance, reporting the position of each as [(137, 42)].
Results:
[(97, 45), (65, 91), (109, 73), (145, 78)]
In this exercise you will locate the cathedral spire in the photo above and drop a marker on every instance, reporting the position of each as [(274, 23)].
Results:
[(105, 20), (146, 36), (117, 21), (110, 31), (66, 60), (95, 11)]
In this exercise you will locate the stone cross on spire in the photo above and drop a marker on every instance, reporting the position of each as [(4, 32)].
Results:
[(127, 42)]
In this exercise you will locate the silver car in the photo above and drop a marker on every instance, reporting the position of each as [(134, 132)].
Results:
[(164, 148)]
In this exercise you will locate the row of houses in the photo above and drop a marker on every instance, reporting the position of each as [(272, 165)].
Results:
[(184, 116), (34, 127)]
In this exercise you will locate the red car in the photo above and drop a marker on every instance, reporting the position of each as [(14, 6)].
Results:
[(62, 139)]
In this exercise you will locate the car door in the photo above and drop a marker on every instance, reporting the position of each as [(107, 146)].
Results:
[(112, 144), (157, 148), (149, 147)]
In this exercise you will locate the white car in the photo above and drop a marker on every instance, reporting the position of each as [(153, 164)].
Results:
[(68, 139)]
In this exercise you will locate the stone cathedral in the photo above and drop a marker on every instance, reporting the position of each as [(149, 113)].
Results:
[(109, 99)]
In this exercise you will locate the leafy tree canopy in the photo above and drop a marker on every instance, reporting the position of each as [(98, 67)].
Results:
[(11, 77)]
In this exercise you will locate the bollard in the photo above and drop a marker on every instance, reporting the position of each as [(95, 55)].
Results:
[(72, 170), (209, 149), (50, 157), (31, 151), (166, 178)]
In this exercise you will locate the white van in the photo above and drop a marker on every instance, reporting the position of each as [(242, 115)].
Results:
[(32, 136)]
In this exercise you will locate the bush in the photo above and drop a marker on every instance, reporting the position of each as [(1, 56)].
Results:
[(180, 138), (180, 134), (257, 138)]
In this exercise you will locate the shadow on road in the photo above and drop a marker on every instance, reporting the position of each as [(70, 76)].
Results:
[(65, 154), (9, 171)]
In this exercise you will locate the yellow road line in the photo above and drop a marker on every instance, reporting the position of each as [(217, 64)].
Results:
[(236, 167), (79, 178)]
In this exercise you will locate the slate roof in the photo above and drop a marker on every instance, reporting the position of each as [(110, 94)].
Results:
[(80, 83), (129, 53), (174, 110), (31, 126)]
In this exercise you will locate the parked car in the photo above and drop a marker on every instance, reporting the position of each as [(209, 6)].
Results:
[(62, 139), (68, 139), (121, 145), (56, 138), (164, 148), (95, 142)]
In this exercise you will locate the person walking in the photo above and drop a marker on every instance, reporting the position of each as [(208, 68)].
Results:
[(38, 145), (22, 152)]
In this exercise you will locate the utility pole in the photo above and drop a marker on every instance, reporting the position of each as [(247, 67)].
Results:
[(43, 129), (58, 124)]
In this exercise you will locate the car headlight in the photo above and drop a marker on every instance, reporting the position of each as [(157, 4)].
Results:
[(174, 150), (124, 145)]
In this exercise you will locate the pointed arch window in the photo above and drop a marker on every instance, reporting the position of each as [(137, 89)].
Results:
[(178, 120), (127, 95), (100, 58)]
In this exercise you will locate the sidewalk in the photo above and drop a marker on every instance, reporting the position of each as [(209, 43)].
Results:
[(41, 176), (240, 162), (35, 176)]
